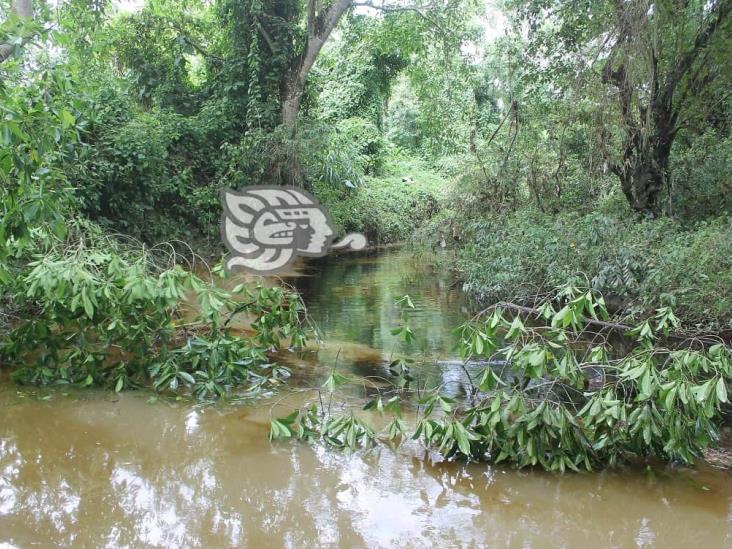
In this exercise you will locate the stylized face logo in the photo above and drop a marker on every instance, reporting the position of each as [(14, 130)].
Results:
[(265, 228), (305, 229)]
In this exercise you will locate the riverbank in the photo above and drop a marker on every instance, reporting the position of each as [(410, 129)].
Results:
[(387, 208), (638, 264)]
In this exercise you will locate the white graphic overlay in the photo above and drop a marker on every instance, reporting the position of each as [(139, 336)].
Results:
[(265, 228)]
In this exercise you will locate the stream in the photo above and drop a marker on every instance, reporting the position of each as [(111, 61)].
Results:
[(91, 468)]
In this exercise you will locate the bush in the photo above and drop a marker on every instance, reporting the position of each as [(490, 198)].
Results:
[(692, 271), (639, 265), (702, 177), (86, 309), (336, 156), (386, 209), (136, 171), (133, 180), (367, 139)]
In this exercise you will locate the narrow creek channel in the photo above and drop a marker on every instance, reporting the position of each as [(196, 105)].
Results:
[(90, 468)]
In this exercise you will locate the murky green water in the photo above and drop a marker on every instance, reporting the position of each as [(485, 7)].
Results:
[(98, 469)]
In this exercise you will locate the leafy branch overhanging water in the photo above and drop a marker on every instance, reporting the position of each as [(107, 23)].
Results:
[(546, 397)]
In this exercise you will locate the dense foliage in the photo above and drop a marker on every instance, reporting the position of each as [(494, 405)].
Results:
[(553, 393), (638, 265), (94, 314), (598, 145), (82, 307)]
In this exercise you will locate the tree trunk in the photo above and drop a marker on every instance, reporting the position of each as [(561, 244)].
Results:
[(644, 173), (24, 10), (651, 125), (291, 108), (642, 185), (293, 90), (294, 85), (320, 25)]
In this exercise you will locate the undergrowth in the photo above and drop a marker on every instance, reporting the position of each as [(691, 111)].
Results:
[(638, 264), (389, 207)]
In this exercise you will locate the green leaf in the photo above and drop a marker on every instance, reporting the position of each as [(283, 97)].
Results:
[(561, 318), (187, 377), (478, 344), (333, 381), (721, 390), (490, 380), (67, 119), (278, 430), (462, 440), (517, 328), (88, 307)]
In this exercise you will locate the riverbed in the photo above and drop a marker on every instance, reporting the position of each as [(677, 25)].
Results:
[(93, 468)]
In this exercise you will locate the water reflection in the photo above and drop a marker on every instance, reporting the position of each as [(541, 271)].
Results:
[(352, 299), (101, 473), (90, 469)]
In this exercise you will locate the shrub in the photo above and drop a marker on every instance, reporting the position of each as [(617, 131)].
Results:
[(367, 139), (702, 176), (542, 395), (387, 209), (316, 154), (639, 265), (136, 173)]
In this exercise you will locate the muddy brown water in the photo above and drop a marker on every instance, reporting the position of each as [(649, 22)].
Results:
[(94, 469)]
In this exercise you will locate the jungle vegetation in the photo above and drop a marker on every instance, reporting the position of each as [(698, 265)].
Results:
[(531, 144)]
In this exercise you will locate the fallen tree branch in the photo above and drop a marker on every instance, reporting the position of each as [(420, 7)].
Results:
[(703, 338), (534, 311)]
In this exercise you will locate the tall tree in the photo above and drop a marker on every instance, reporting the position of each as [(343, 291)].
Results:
[(665, 53), (655, 61), (321, 20)]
